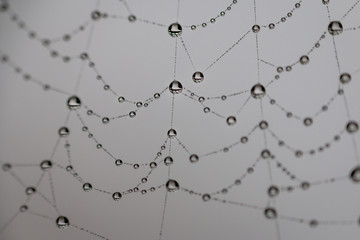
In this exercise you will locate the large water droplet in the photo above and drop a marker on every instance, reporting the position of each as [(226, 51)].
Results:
[(345, 78), (64, 132), (118, 162), (256, 28), (62, 222), (87, 187), (175, 30), (172, 185), (168, 161), (355, 175), (258, 91), (116, 196), (335, 28), (270, 213), (45, 165), (198, 77), (194, 158), (352, 127), (74, 103), (171, 133), (231, 120), (175, 87)]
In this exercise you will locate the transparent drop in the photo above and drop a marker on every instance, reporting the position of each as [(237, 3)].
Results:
[(345, 78), (263, 125), (258, 91), (313, 223), (231, 120), (273, 191), (23, 208), (168, 161), (6, 167), (153, 165), (305, 185), (270, 213), (308, 121), (45, 165), (121, 99), (175, 30), (304, 60), (64, 132), (194, 158), (175, 87), (198, 77), (116, 196), (105, 120), (352, 127), (118, 162), (132, 18), (256, 28), (136, 166), (335, 28), (69, 168), (355, 175), (62, 222), (74, 103), (132, 114), (265, 153), (171, 133), (172, 185), (87, 187), (325, 2), (95, 15), (206, 109), (30, 190), (206, 197)]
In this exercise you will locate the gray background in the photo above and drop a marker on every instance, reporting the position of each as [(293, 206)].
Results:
[(137, 60)]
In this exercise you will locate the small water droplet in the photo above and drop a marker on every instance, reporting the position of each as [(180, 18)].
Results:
[(256, 28), (62, 222), (194, 158), (132, 18), (45, 165), (198, 77), (172, 185), (171, 133), (273, 191), (105, 120), (121, 99), (263, 125), (118, 162), (153, 165), (136, 166), (258, 91), (87, 187), (116, 196), (305, 185), (206, 197), (6, 167), (231, 120), (304, 60), (30, 190), (23, 208), (74, 103), (355, 175), (313, 223), (335, 28), (352, 127), (175, 87), (270, 213), (265, 153), (345, 78), (132, 114), (308, 121), (168, 161), (175, 30)]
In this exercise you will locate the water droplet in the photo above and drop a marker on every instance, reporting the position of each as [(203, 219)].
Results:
[(168, 161), (132, 18), (144, 180), (206, 109), (308, 121), (172, 185), (273, 191), (335, 28), (352, 127), (270, 213), (206, 197), (62, 222), (30, 190), (132, 114), (198, 77), (6, 167), (175, 30), (95, 15), (153, 165), (263, 125), (69, 168), (244, 139), (256, 28), (139, 104), (171, 133), (265, 153), (175, 87), (23, 208), (345, 78), (313, 223), (157, 95), (136, 166), (271, 26), (121, 99), (304, 60), (201, 99), (194, 158), (74, 103), (116, 196), (193, 27), (325, 2), (231, 120), (118, 162), (87, 187), (305, 185), (355, 175), (105, 120), (298, 153), (63, 132), (258, 91), (45, 165)]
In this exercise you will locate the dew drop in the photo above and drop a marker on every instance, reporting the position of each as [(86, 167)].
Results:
[(175, 87), (121, 99), (132, 114), (345, 78), (231, 120), (6, 167), (313, 223), (118, 162), (263, 125), (132, 18), (244, 139), (45, 165), (136, 166), (352, 127), (265, 153), (198, 77), (30, 190), (105, 120), (116, 196), (172, 185), (23, 208), (258, 91), (273, 191), (194, 158), (171, 133), (168, 161), (256, 28), (153, 165), (270, 213), (335, 28), (74, 103), (305, 185), (87, 187), (355, 175), (308, 121), (95, 15), (62, 222), (206, 197), (304, 60), (175, 30)]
